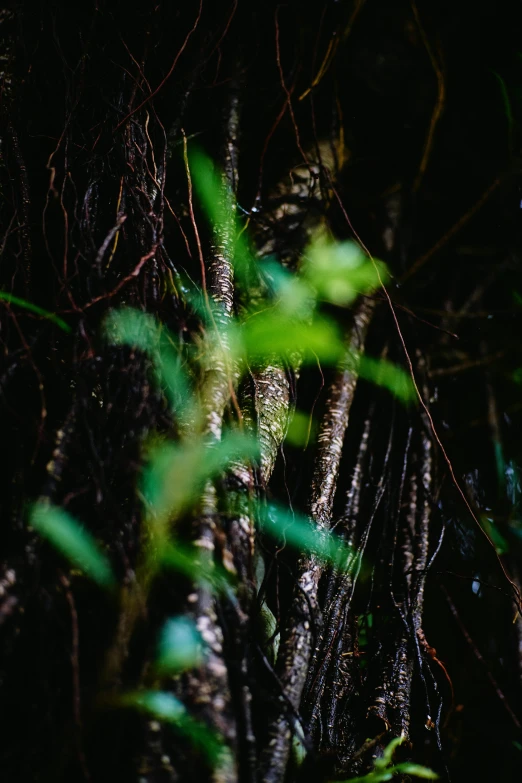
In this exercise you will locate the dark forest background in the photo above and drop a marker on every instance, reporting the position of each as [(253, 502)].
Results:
[(396, 124)]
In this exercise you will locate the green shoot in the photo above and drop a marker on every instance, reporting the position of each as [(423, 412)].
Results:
[(384, 769), (7, 297), (73, 541)]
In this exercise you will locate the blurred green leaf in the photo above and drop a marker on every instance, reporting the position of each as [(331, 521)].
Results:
[(300, 429), (275, 332), (517, 375), (293, 295), (176, 473), (209, 187), (183, 558), (407, 768), (339, 271), (299, 532), (166, 707), (386, 758), (72, 540), (187, 560), (131, 327), (390, 376), (499, 542), (505, 100), (162, 705), (219, 205), (7, 297), (138, 329), (180, 645)]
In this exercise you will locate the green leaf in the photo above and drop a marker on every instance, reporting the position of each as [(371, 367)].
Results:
[(505, 100), (179, 645), (7, 297), (219, 204), (209, 187), (275, 332), (407, 768), (135, 328), (166, 707), (131, 327), (300, 429), (184, 559), (215, 196), (72, 540), (177, 473), (187, 560), (383, 771), (389, 750), (517, 375), (388, 375), (294, 295), (339, 271), (499, 542), (299, 532), (162, 705)]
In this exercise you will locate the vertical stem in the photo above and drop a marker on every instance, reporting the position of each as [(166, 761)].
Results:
[(296, 637)]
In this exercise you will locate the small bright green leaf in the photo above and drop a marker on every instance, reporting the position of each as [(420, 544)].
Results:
[(387, 756), (407, 768), (72, 540), (299, 750), (388, 375), (164, 706), (179, 645), (7, 297)]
